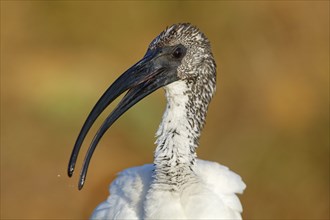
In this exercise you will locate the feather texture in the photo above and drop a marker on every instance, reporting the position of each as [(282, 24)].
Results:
[(213, 197)]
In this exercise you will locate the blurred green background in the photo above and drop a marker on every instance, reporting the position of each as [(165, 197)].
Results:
[(269, 120)]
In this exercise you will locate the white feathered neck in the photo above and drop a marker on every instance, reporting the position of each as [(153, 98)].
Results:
[(177, 137)]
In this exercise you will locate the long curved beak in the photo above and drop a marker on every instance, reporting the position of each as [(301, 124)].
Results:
[(140, 80)]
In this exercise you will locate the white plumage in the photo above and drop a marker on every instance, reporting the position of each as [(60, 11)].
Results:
[(214, 197), (210, 194), (177, 185)]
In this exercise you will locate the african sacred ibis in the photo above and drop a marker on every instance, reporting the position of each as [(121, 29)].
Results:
[(177, 185)]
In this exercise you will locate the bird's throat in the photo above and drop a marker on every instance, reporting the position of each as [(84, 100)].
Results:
[(177, 140)]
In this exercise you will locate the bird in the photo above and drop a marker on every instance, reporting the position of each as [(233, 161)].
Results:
[(177, 185)]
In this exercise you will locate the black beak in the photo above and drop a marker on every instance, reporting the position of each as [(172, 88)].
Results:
[(146, 76)]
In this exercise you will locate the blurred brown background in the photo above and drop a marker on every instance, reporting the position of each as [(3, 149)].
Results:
[(269, 120)]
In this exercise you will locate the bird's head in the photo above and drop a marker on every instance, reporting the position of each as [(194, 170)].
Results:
[(180, 53), (188, 47)]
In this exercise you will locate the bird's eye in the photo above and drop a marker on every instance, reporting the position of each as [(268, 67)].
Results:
[(178, 53)]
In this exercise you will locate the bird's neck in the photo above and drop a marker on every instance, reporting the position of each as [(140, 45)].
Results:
[(177, 138)]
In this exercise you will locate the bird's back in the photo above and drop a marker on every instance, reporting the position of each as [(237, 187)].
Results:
[(214, 196)]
